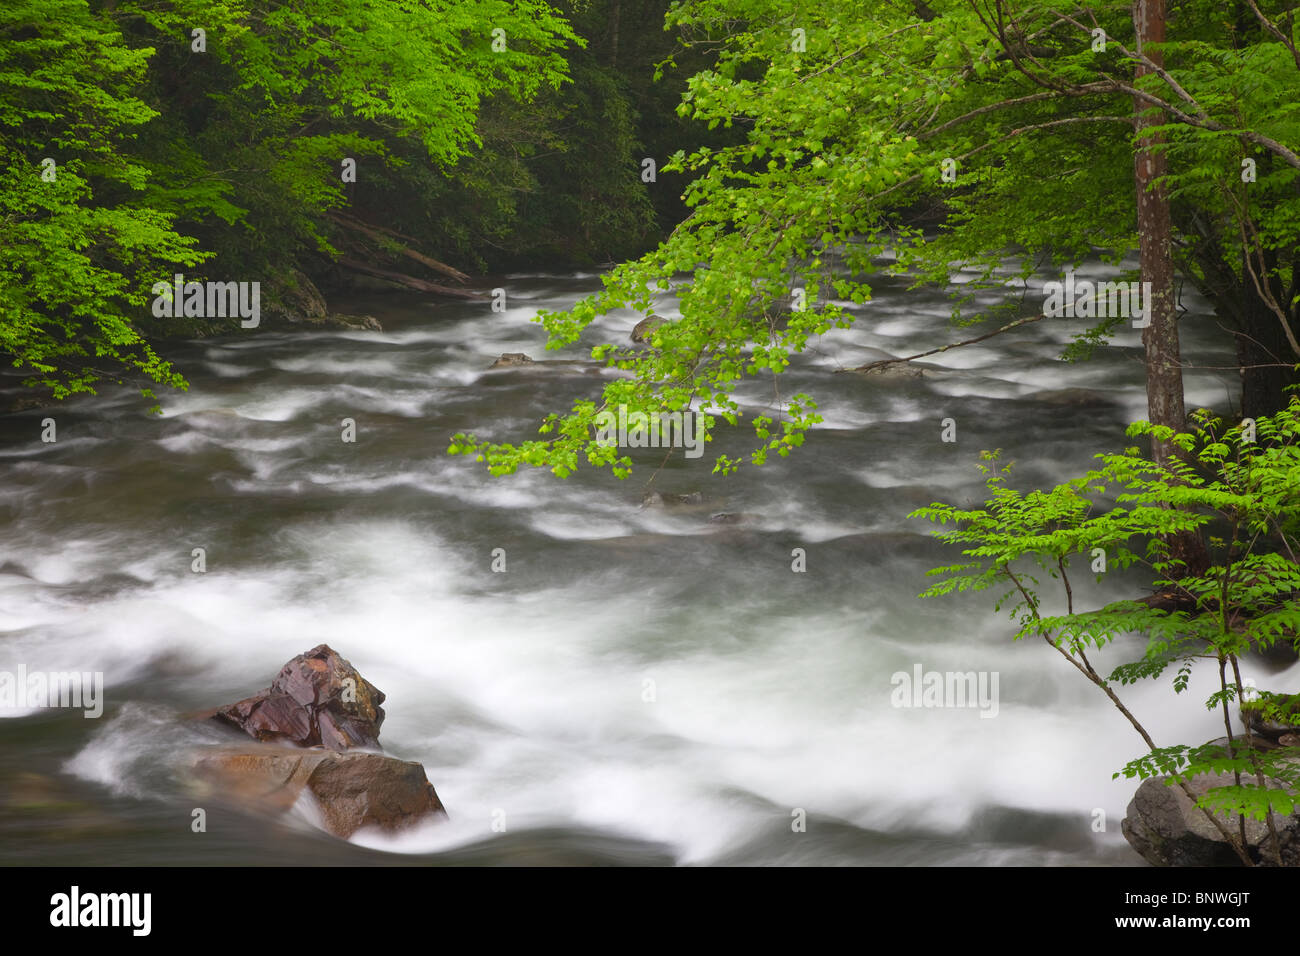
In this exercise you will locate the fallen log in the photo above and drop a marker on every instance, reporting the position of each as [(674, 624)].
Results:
[(380, 233), (411, 282)]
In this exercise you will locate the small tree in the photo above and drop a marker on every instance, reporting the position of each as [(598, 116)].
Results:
[(1242, 488)]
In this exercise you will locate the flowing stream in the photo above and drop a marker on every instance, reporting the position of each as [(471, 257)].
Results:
[(642, 684)]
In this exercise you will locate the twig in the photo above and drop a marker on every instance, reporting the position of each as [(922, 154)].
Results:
[(944, 348)]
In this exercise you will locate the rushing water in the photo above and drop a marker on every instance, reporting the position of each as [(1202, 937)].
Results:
[(642, 685)]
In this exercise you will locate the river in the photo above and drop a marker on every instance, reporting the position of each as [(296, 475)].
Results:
[(641, 685)]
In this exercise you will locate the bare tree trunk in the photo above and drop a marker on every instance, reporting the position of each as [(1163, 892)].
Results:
[(1155, 231)]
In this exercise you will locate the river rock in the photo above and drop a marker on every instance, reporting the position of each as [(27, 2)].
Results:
[(896, 371), (271, 777), (1167, 829), (509, 359), (359, 323), (518, 360), (357, 790), (22, 403), (656, 499), (317, 699), (1273, 729), (1071, 397), (293, 298), (642, 331), (734, 517), (351, 790)]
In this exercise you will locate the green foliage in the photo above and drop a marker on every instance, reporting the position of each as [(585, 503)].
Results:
[(844, 142), (1236, 491), (78, 252), (170, 158)]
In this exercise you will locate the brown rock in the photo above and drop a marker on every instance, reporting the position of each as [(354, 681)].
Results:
[(317, 699), (352, 790), (271, 778), (358, 790)]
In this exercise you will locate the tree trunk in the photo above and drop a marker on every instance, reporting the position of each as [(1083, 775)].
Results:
[(1155, 232)]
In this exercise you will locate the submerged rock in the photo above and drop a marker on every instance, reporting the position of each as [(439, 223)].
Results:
[(733, 517), (526, 363), (332, 321), (657, 499), (509, 359), (22, 403), (896, 371), (317, 699), (1071, 397), (351, 790)]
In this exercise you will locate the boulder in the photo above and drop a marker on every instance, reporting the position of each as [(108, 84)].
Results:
[(351, 790), (1274, 729), (317, 699), (642, 331), (509, 359), (293, 298), (1167, 829), (359, 790)]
